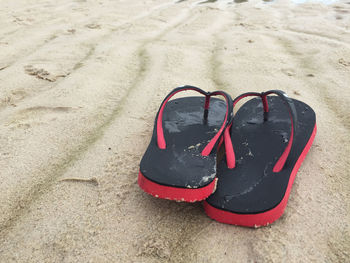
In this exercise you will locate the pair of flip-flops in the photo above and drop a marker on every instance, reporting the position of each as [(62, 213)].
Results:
[(244, 165)]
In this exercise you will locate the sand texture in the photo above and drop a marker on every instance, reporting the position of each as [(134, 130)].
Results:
[(80, 84)]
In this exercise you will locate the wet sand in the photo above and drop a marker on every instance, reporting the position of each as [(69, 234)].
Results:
[(80, 83)]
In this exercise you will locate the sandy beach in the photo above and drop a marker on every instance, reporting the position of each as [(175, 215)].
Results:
[(80, 84)]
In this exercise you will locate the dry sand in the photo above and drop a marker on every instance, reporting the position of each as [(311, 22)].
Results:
[(80, 83)]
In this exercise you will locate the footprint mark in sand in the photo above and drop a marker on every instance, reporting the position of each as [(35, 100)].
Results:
[(341, 10), (42, 73), (12, 98), (207, 1), (93, 26), (288, 71), (344, 62), (28, 117), (39, 73), (338, 17), (21, 21), (47, 109)]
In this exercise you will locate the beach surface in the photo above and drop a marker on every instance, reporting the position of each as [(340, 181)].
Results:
[(80, 84)]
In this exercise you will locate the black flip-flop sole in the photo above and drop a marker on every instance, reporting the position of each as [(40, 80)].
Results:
[(180, 172), (251, 194)]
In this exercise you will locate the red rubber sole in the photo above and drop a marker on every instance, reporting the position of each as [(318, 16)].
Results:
[(175, 193), (265, 218)]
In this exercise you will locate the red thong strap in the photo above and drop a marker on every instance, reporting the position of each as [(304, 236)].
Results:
[(230, 154), (293, 120), (289, 103), (231, 159), (227, 121)]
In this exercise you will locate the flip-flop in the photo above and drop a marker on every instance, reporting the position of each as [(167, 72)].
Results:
[(271, 137), (180, 161)]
